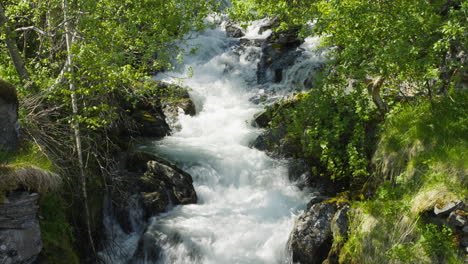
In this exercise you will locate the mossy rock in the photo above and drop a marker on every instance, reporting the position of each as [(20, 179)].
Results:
[(8, 92)]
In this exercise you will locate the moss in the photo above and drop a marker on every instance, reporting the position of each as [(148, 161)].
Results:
[(148, 117), (28, 154), (57, 233)]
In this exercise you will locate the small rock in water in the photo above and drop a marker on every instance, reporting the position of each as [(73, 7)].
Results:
[(234, 31)]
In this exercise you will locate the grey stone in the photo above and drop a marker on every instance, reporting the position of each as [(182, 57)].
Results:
[(447, 208), (234, 31), (311, 238), (152, 184), (177, 101), (340, 222), (20, 234)]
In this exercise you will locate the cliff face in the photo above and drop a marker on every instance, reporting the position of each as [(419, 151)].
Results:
[(20, 235)]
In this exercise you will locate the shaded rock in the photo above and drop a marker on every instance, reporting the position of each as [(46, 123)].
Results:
[(178, 102), (251, 42), (457, 218), (464, 241), (315, 200), (262, 119), (311, 238), (279, 52), (340, 222), (151, 123), (20, 235), (447, 208), (268, 140), (234, 31), (339, 227), (9, 127), (179, 183), (298, 170), (150, 184), (272, 23)]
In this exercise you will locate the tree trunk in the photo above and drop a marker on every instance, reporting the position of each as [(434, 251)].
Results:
[(10, 42), (374, 90), (75, 122)]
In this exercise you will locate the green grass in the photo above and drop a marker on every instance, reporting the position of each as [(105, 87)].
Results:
[(29, 154), (420, 161)]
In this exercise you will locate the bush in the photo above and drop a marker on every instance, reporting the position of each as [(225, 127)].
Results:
[(334, 130)]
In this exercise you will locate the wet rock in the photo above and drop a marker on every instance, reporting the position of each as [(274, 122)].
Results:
[(269, 139), (447, 208), (270, 25), (245, 42), (311, 238), (9, 126), (151, 123), (177, 182), (298, 170), (148, 249), (176, 102), (315, 200), (234, 31), (262, 119), (151, 183), (279, 52), (20, 235)]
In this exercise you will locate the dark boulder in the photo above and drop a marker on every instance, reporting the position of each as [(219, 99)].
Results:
[(9, 126), (175, 102), (234, 31), (151, 183), (262, 119), (177, 183), (312, 238), (151, 123), (279, 52)]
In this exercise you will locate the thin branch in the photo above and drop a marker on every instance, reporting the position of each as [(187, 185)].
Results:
[(42, 32)]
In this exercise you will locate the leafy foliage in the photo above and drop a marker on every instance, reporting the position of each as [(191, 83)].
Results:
[(421, 155), (405, 42), (332, 128)]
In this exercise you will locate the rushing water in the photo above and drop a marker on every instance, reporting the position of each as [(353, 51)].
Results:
[(247, 206)]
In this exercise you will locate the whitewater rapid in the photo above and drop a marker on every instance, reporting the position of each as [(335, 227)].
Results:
[(246, 205)]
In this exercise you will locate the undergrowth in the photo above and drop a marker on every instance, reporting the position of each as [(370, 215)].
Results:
[(420, 162)]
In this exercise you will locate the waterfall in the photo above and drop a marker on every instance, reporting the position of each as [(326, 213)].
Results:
[(247, 206)]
